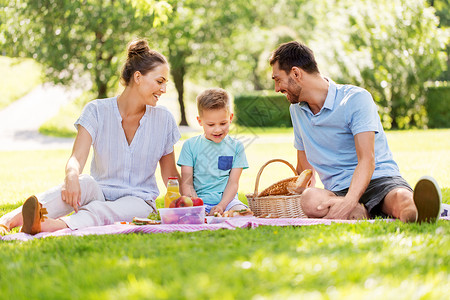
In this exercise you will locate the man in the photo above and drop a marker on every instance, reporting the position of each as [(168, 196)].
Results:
[(338, 134)]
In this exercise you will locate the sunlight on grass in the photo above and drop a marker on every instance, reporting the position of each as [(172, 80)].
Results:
[(339, 261), (30, 172), (19, 76), (366, 260)]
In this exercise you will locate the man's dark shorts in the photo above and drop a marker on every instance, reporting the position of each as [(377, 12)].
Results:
[(376, 191)]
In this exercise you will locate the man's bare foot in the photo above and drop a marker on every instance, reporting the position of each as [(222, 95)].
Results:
[(408, 215)]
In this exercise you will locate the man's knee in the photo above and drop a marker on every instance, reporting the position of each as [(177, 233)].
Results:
[(399, 202), (401, 198), (311, 198)]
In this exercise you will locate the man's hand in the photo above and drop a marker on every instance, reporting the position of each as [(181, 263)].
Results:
[(71, 192), (338, 207)]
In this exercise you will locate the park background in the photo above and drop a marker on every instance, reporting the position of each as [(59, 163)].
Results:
[(398, 50)]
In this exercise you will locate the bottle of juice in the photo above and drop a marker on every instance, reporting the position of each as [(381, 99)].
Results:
[(173, 191)]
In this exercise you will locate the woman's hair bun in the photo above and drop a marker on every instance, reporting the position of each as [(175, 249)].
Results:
[(138, 48), (140, 58)]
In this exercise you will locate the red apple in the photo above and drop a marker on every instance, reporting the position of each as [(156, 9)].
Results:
[(197, 201), (173, 203), (184, 201)]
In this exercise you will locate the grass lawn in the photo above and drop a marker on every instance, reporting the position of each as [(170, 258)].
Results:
[(19, 76), (389, 260)]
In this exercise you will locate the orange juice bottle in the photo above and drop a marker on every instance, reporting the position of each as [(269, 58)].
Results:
[(173, 191)]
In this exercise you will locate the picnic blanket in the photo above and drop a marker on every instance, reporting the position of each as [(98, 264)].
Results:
[(231, 223)]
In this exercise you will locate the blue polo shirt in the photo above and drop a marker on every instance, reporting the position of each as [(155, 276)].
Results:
[(328, 137), (212, 163)]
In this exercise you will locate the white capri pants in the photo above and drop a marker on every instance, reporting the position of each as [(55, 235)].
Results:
[(94, 210)]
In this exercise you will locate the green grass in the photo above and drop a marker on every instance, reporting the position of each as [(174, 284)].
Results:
[(341, 261), (19, 76), (395, 261)]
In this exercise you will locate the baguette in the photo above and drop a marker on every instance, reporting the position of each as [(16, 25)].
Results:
[(297, 187)]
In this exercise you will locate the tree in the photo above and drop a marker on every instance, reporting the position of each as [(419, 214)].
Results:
[(443, 13), (71, 38), (193, 27), (393, 48), (222, 41)]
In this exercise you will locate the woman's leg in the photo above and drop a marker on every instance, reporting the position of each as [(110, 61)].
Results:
[(56, 207), (98, 213)]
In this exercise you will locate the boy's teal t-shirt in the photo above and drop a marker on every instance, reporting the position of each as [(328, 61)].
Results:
[(212, 163)]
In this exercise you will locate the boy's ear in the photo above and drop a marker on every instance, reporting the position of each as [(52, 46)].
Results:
[(231, 117), (199, 121)]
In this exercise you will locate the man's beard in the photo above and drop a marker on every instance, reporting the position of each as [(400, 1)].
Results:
[(293, 92)]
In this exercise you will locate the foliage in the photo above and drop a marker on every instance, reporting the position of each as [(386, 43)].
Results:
[(19, 76), (262, 109), (186, 35), (225, 45), (72, 38), (443, 13), (393, 48), (438, 105)]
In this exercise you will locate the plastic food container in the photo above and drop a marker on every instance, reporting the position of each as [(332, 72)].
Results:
[(183, 215)]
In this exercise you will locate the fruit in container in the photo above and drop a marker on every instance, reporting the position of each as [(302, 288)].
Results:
[(183, 215), (197, 201), (183, 201)]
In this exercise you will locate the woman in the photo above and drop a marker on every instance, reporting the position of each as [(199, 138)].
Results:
[(129, 135)]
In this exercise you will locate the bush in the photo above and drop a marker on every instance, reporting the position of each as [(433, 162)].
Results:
[(262, 109), (437, 105)]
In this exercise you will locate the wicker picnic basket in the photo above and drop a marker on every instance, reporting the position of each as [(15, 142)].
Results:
[(276, 206)]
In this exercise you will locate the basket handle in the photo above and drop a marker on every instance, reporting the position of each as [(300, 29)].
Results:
[(265, 165)]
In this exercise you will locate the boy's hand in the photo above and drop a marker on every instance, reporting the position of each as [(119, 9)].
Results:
[(217, 209)]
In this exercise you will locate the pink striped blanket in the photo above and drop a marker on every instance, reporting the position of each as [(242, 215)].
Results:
[(232, 223)]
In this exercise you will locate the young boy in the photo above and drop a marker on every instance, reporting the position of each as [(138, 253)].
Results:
[(212, 163)]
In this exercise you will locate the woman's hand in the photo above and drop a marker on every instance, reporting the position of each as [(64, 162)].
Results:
[(71, 191)]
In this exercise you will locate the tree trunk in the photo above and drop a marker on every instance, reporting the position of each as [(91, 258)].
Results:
[(257, 86), (178, 73), (102, 89), (393, 114)]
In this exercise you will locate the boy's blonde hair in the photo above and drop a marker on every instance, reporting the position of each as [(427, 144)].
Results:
[(212, 99)]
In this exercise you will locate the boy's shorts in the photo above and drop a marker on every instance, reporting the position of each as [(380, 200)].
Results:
[(376, 191), (232, 203)]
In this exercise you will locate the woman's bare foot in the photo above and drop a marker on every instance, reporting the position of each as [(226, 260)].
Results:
[(4, 229)]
